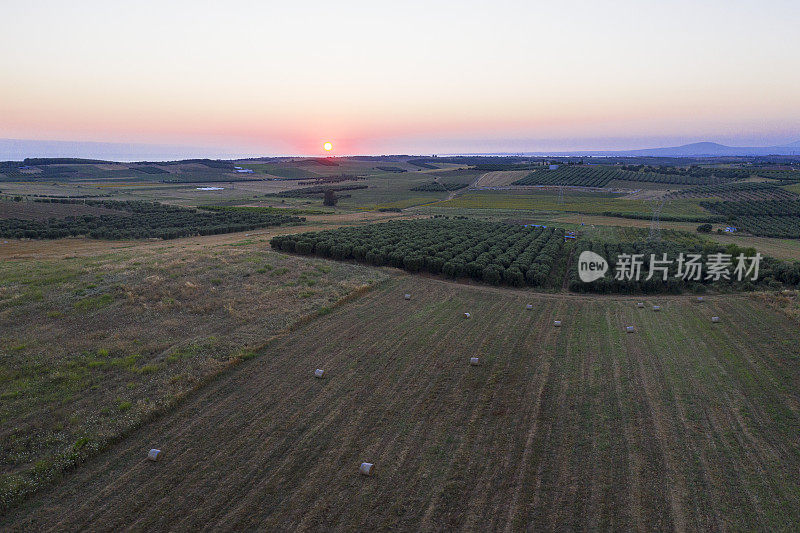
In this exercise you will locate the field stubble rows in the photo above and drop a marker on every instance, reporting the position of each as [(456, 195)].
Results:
[(684, 424)]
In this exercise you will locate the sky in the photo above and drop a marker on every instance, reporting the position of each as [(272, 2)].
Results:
[(372, 77)]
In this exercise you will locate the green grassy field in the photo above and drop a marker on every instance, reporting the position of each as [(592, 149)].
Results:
[(579, 202), (682, 425), (794, 188)]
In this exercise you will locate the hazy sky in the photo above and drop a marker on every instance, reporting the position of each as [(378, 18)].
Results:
[(396, 77)]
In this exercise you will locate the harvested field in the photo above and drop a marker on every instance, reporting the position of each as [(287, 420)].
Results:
[(683, 425), (94, 343)]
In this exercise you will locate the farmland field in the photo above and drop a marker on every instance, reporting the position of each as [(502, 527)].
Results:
[(93, 342), (573, 201), (683, 425), (601, 176)]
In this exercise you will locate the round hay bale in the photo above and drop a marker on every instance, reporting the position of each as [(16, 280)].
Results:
[(153, 455), (714, 319), (640, 304), (629, 329), (366, 468), (467, 315), (557, 323), (474, 361), (529, 307), (407, 296), (318, 373), (656, 308)]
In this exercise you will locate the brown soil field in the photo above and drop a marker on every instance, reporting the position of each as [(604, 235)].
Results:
[(43, 211), (682, 425)]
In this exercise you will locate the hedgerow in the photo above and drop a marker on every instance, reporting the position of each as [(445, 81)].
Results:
[(436, 186)]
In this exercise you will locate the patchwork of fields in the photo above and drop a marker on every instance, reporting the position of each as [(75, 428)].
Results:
[(205, 347), (683, 424)]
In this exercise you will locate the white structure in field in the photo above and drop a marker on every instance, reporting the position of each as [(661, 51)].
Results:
[(319, 373), (366, 468), (153, 454)]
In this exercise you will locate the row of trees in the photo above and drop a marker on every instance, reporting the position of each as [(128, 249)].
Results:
[(693, 171), (738, 191), (435, 186), (790, 207), (767, 218), (316, 190), (773, 274), (601, 176), (485, 251), (139, 220), (785, 227)]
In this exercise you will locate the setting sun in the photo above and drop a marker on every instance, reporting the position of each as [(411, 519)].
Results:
[(328, 147)]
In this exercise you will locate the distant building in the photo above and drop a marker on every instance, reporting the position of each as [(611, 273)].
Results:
[(243, 170), (553, 167), (730, 229)]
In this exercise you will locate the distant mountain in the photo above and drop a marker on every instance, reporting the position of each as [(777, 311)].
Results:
[(714, 150), (701, 149)]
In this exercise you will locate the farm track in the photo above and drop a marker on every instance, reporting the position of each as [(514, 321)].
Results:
[(683, 425)]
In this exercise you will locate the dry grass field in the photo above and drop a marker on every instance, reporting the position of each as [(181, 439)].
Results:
[(95, 337), (683, 425)]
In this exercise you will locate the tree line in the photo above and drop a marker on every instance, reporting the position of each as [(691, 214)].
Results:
[(138, 220)]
